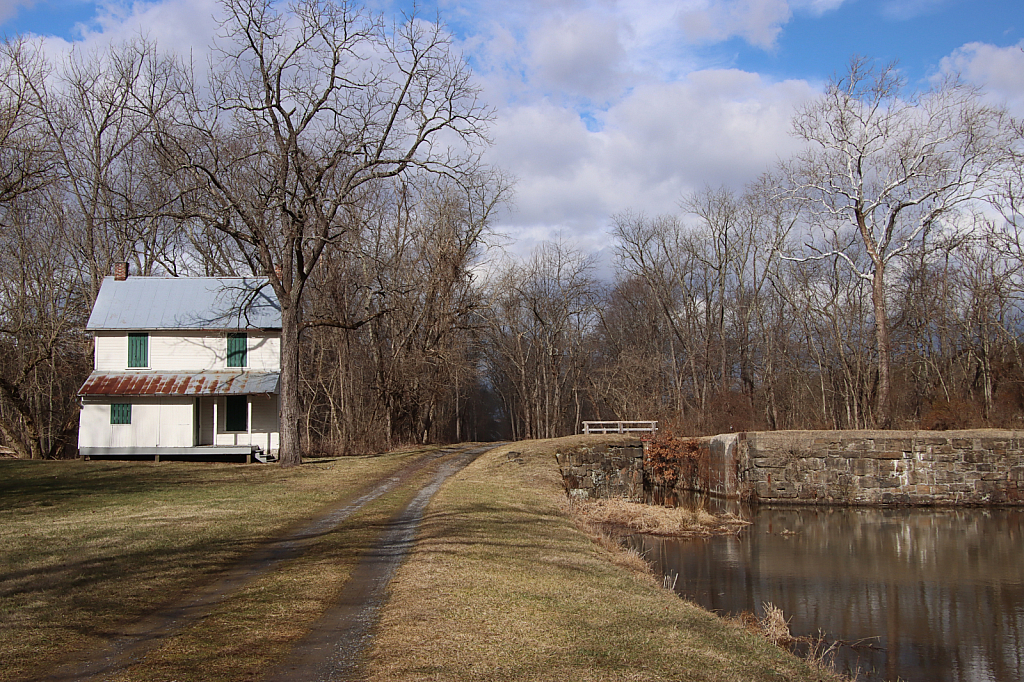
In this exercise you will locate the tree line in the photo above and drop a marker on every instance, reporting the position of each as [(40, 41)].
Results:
[(873, 280)]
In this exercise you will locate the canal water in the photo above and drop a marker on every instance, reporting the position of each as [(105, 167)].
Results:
[(929, 595)]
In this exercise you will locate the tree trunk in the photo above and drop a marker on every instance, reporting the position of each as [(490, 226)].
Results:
[(291, 448), (883, 410)]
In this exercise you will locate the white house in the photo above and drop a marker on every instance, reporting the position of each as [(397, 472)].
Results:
[(183, 366)]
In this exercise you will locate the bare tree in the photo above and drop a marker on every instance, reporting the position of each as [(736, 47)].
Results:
[(306, 110), (24, 153), (96, 113), (888, 165), (540, 313)]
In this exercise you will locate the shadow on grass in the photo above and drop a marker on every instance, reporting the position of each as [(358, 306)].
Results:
[(25, 484)]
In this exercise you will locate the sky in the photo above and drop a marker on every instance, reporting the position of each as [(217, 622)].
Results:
[(604, 106)]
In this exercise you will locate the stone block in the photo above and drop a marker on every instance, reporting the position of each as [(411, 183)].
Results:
[(862, 466), (887, 454), (986, 487), (867, 482), (837, 463), (890, 482)]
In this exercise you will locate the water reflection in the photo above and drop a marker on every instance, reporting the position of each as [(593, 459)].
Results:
[(942, 591)]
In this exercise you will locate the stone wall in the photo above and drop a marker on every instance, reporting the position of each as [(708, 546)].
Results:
[(604, 470), (878, 467)]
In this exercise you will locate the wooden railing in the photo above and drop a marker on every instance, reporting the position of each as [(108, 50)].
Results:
[(620, 427)]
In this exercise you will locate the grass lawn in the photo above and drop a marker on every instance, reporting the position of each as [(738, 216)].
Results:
[(90, 546), (503, 586)]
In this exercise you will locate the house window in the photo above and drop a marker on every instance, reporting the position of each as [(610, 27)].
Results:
[(121, 413), (236, 413), (138, 350), (238, 346)]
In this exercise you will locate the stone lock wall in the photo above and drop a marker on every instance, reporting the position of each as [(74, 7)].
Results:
[(977, 467), (880, 467), (604, 470)]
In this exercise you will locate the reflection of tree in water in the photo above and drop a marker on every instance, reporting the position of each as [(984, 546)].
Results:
[(941, 589)]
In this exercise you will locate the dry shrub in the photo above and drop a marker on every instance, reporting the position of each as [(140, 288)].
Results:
[(670, 458), (775, 626), (654, 520), (944, 414)]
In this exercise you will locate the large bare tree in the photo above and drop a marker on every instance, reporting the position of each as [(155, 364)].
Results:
[(305, 110), (889, 165)]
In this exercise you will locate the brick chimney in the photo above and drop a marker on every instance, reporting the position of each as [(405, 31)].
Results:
[(121, 271)]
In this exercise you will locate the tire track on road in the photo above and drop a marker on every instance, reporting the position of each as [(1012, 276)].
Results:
[(137, 639), (334, 650)]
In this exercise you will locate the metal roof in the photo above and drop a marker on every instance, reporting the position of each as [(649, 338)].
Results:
[(179, 383), (185, 303)]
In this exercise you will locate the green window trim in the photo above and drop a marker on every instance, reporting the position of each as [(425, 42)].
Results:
[(120, 413), (138, 350), (236, 413), (238, 350)]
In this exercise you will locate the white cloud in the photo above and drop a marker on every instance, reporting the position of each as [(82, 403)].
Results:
[(185, 27), (578, 54), (759, 22), (999, 70), (660, 141), (9, 8)]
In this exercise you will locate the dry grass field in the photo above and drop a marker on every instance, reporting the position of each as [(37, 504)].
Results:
[(91, 546), (504, 586)]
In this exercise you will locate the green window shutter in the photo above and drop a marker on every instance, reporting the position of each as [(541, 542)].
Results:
[(138, 350), (236, 413), (238, 350), (121, 413)]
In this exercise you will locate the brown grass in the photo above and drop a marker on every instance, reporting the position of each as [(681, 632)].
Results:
[(654, 520), (91, 546), (502, 585)]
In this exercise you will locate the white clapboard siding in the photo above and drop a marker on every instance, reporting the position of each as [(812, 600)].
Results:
[(171, 351), (163, 422)]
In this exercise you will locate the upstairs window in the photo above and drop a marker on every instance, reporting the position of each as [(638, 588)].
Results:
[(121, 413), (238, 350), (236, 413), (138, 350)]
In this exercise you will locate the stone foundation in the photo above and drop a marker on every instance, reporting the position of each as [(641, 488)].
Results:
[(880, 467), (604, 470)]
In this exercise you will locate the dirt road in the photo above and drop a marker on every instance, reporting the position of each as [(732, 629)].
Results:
[(333, 649)]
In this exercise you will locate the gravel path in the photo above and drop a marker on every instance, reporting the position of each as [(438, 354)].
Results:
[(333, 651), (141, 637)]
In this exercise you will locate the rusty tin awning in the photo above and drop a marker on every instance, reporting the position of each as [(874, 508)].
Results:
[(179, 383)]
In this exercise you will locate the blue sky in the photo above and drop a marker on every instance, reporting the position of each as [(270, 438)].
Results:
[(608, 105)]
